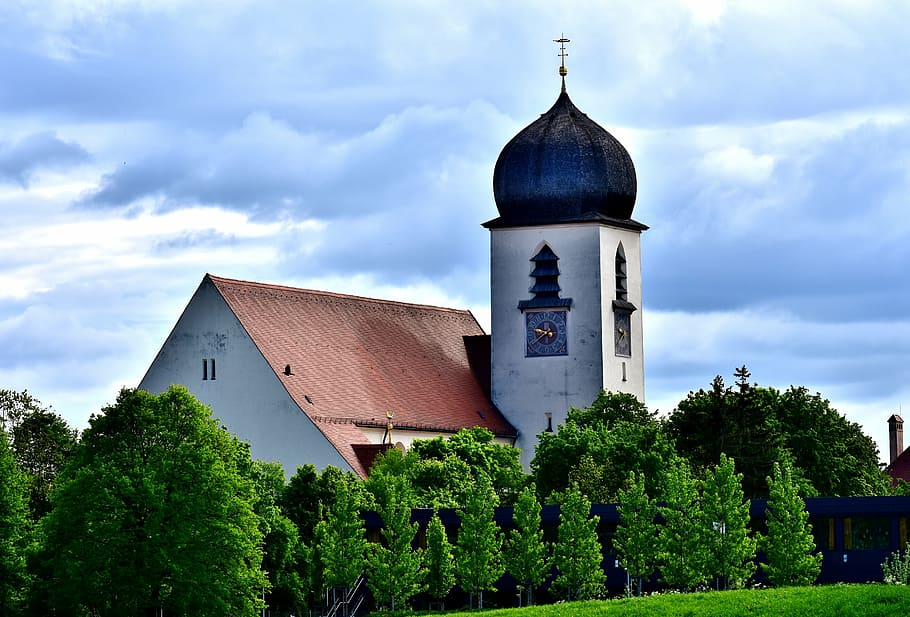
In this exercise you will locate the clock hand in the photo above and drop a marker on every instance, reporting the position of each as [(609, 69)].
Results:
[(540, 334)]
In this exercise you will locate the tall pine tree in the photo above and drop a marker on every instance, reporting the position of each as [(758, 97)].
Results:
[(727, 546), (577, 554), (636, 535), (789, 545), (679, 538), (341, 541), (526, 553), (438, 560), (394, 566), (478, 553)]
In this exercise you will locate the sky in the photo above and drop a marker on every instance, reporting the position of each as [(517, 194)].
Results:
[(349, 146)]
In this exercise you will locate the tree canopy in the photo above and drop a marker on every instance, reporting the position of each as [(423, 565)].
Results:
[(759, 426), (13, 532), (597, 447), (155, 511)]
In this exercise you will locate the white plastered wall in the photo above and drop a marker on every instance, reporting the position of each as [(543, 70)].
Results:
[(527, 389), (246, 394)]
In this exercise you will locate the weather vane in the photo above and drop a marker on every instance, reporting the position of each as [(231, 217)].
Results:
[(562, 54)]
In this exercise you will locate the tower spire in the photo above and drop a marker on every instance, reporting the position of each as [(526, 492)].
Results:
[(563, 71)]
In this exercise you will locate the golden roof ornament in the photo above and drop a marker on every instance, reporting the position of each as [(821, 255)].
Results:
[(563, 71)]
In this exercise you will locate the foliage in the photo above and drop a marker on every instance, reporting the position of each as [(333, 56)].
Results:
[(760, 426), (597, 447), (341, 540), (155, 511), (42, 442), (13, 532), (577, 554), (394, 566), (14, 406), (789, 544), (896, 567), (526, 554), (309, 494), (727, 546), (680, 535), (636, 534), (816, 601), (834, 454), (737, 422), (443, 467), (438, 560), (281, 543), (478, 558)]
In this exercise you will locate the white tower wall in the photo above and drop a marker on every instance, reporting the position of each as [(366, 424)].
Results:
[(527, 389)]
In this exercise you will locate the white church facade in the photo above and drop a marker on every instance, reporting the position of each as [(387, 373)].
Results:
[(316, 377)]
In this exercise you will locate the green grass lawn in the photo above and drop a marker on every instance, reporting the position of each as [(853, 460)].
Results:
[(822, 601)]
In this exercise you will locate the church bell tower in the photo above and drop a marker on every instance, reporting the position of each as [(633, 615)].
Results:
[(565, 271)]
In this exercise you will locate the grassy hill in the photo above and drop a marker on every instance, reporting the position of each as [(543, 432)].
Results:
[(822, 601)]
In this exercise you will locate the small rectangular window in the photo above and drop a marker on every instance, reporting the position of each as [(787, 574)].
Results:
[(212, 363), (205, 370)]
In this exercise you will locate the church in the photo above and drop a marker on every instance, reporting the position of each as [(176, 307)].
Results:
[(318, 377)]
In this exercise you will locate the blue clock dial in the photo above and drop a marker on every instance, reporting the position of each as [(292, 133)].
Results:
[(546, 333)]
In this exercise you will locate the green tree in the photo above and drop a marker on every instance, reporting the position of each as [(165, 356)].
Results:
[(577, 554), (14, 406), (444, 466), (13, 532), (478, 558), (789, 545), (727, 546), (281, 543), (394, 566), (155, 511), (636, 534), (832, 453), (42, 442), (526, 554), (760, 426), (341, 541), (597, 447), (680, 537), (739, 422), (438, 560)]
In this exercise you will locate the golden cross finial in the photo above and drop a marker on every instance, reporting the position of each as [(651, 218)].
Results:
[(562, 40)]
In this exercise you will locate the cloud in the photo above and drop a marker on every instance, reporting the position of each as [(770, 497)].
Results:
[(21, 160)]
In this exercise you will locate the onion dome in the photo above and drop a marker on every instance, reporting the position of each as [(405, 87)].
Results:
[(563, 167)]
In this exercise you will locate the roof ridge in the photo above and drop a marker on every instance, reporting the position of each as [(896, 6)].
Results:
[(333, 294)]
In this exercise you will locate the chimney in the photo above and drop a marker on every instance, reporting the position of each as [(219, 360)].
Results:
[(896, 436)]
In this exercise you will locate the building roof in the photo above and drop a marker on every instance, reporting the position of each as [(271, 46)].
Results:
[(352, 360), (563, 167), (899, 469)]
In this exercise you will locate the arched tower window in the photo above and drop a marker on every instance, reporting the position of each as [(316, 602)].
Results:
[(622, 291)]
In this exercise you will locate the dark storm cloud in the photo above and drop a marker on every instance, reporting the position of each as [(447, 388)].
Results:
[(21, 159)]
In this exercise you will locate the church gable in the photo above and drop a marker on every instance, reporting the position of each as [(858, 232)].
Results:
[(210, 352)]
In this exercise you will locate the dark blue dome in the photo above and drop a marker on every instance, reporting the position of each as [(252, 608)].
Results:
[(563, 167)]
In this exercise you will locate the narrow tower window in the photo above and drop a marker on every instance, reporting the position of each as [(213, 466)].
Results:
[(205, 369), (212, 365), (622, 292)]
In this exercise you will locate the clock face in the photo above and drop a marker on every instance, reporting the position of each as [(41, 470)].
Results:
[(546, 333), (622, 332)]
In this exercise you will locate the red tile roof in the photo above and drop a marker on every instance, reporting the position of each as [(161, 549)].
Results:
[(353, 359), (899, 469)]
